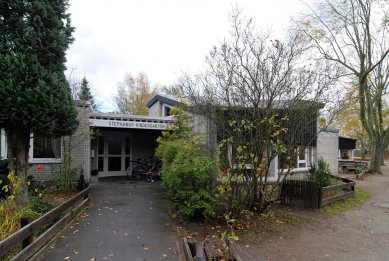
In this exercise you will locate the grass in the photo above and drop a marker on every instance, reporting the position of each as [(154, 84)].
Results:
[(346, 204), (10, 214)]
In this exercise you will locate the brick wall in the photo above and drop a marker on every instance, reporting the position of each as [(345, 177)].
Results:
[(327, 148), (78, 145)]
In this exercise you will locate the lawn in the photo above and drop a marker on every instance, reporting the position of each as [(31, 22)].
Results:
[(346, 204)]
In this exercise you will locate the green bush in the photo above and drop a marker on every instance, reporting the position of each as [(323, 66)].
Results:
[(65, 178), (38, 205), (320, 173), (188, 174)]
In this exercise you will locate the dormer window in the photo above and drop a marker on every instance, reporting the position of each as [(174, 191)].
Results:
[(166, 111)]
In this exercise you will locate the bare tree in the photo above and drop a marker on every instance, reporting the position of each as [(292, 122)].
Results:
[(74, 82), (264, 100), (133, 94), (354, 35)]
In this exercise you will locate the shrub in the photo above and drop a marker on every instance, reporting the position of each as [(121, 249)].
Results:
[(38, 205), (321, 173), (188, 174), (65, 178)]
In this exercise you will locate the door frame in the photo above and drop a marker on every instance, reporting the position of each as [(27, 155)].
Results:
[(123, 155)]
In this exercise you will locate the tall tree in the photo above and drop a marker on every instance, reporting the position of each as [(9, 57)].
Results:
[(353, 34), (349, 123), (133, 94), (264, 103), (85, 93), (34, 94)]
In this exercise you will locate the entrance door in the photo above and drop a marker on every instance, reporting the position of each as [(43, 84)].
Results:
[(114, 154)]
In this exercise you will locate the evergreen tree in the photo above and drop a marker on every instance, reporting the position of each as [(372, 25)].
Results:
[(85, 94), (35, 97)]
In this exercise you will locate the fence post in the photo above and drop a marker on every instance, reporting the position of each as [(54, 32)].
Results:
[(192, 246), (24, 221), (81, 181), (320, 196)]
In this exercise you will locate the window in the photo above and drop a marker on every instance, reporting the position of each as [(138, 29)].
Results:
[(166, 111), (288, 160), (297, 157), (3, 144), (45, 149)]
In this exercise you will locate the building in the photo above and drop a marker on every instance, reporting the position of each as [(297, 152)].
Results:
[(107, 142)]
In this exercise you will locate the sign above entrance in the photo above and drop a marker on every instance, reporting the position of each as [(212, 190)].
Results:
[(129, 124)]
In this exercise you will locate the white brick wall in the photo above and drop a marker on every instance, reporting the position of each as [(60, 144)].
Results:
[(156, 109), (327, 148)]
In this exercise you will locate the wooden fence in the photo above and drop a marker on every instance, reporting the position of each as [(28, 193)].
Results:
[(300, 193), (26, 232), (309, 194), (347, 186)]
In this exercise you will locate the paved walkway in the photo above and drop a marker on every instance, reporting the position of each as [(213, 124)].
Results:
[(128, 221)]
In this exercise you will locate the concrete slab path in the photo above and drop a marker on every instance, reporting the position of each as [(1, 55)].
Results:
[(127, 221)]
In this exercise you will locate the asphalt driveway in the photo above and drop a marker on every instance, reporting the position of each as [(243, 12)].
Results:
[(127, 221)]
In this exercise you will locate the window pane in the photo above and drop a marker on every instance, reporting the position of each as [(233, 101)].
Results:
[(47, 147), (302, 165), (100, 148), (114, 145), (127, 162), (167, 111), (288, 160), (128, 146), (301, 153), (100, 163), (114, 164)]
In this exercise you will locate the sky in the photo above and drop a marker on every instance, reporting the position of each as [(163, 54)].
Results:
[(161, 38)]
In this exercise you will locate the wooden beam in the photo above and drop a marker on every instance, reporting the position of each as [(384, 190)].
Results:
[(38, 243), (336, 198), (7, 244)]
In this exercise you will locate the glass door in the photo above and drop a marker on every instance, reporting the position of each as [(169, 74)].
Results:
[(115, 152), (100, 154)]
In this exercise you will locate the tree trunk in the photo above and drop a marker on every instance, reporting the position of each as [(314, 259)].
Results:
[(383, 158), (10, 151), (376, 159), (22, 146)]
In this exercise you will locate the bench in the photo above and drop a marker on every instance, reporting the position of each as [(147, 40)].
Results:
[(359, 167)]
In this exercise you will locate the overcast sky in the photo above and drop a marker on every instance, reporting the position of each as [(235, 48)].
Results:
[(161, 38)]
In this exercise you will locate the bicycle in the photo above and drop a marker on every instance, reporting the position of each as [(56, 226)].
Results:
[(136, 170), (143, 169), (154, 171)]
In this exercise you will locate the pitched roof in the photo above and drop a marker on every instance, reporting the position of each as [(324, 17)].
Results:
[(164, 98)]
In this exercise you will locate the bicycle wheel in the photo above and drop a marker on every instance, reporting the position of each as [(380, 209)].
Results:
[(135, 171), (138, 173)]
